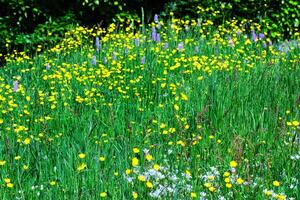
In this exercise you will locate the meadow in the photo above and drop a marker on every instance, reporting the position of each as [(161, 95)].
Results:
[(182, 109)]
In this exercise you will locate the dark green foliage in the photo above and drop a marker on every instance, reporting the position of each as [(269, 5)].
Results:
[(26, 23), (280, 18)]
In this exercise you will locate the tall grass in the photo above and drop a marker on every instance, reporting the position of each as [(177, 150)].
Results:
[(205, 113)]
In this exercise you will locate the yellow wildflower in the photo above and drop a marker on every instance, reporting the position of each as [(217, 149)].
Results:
[(276, 183), (81, 155), (103, 194), (233, 164), (134, 162)]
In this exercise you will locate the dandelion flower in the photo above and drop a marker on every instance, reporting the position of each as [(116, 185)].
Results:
[(295, 123), (135, 195), (276, 183), (240, 181), (25, 167), (7, 180), (27, 141), (9, 185), (81, 155), (156, 167), (81, 167), (193, 195), (149, 184), (134, 162), (212, 189), (52, 183), (136, 150), (149, 157), (102, 158), (233, 164), (103, 194), (2, 162), (142, 178)]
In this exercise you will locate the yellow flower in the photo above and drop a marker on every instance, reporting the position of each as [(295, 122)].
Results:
[(52, 183), (176, 107), (7, 180), (81, 155), (233, 164), (268, 193), (135, 195), (103, 194), (149, 157), (295, 123), (2, 162), (162, 125), (9, 185), (156, 167), (193, 195), (183, 97), (128, 171), (208, 185), (102, 158), (212, 189), (17, 157), (280, 196), (240, 181), (1, 121), (142, 178), (134, 162), (227, 180), (226, 174), (276, 183), (228, 185), (136, 150), (149, 184), (25, 167), (81, 167), (27, 141)]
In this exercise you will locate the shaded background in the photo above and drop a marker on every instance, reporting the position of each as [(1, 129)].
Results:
[(25, 24)]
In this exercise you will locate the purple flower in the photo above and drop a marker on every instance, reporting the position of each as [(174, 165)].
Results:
[(156, 18), (104, 60), (254, 36), (136, 42), (265, 45), (238, 32), (166, 45), (158, 37), (180, 46), (270, 43), (143, 60), (126, 51), (158, 25), (261, 36), (153, 29), (97, 44), (153, 36), (16, 86), (94, 61), (47, 66)]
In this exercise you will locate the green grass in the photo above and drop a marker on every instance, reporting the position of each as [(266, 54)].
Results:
[(194, 111)]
